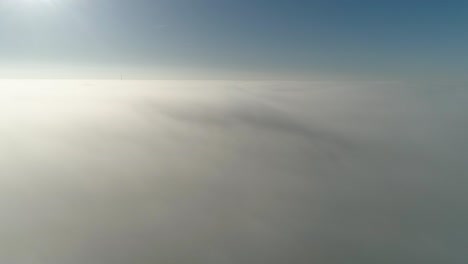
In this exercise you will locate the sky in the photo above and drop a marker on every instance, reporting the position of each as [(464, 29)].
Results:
[(233, 39)]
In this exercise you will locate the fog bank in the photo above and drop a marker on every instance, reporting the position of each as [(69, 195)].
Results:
[(232, 172)]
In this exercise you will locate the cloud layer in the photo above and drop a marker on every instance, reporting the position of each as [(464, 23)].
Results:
[(232, 172)]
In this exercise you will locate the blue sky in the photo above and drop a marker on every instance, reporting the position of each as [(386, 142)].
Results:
[(385, 39)]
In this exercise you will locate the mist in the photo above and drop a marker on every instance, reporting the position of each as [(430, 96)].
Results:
[(232, 172)]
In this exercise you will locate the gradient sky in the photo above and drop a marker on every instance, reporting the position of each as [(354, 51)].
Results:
[(286, 38)]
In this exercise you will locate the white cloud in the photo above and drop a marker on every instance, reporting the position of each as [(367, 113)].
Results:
[(231, 172)]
